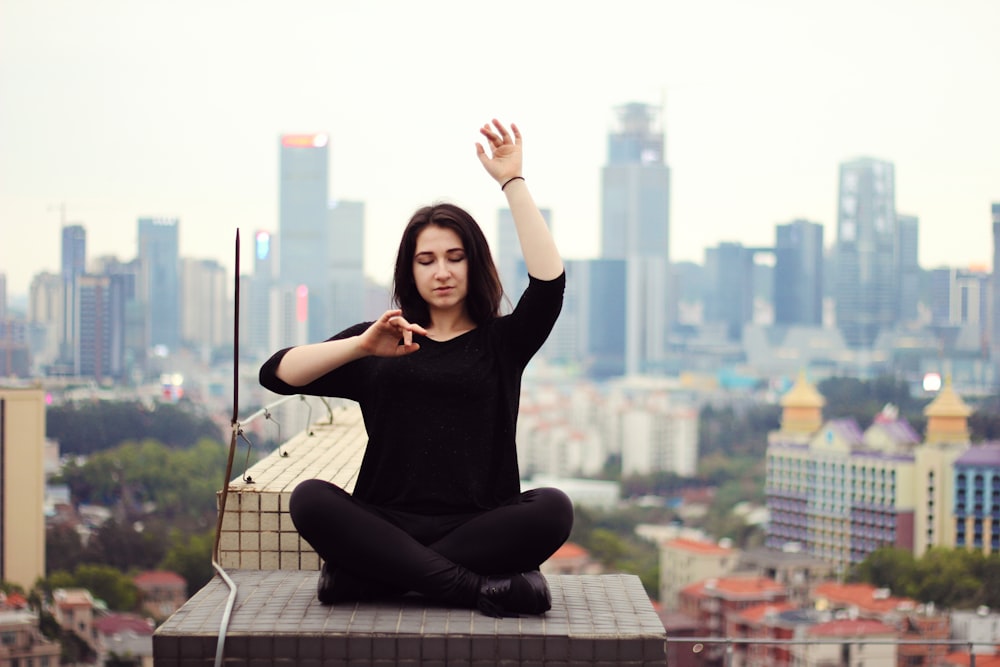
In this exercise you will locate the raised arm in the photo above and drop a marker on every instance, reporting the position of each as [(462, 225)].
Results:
[(504, 164)]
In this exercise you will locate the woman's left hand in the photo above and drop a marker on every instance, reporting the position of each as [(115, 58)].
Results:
[(503, 162)]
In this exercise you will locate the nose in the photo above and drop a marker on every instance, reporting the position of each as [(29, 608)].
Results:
[(442, 272)]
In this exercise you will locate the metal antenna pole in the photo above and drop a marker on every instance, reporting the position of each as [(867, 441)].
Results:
[(234, 425)]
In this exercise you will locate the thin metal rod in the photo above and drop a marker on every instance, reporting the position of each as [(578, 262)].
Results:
[(234, 427)]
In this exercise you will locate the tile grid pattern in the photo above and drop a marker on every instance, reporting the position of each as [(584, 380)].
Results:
[(257, 532), (596, 620)]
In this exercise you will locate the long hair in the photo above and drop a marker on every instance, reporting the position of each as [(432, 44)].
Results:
[(485, 291)]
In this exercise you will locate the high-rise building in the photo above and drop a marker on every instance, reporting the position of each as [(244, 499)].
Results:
[(128, 311), (729, 299), (635, 227), (255, 298), (907, 268), (867, 286), (3, 296), (100, 342), (205, 307), (798, 273), (45, 317), (346, 269), (593, 317), (74, 264), (159, 287), (303, 226), (995, 300), (22, 485), (959, 298)]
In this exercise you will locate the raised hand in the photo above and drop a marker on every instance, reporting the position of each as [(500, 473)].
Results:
[(503, 161), (382, 338)]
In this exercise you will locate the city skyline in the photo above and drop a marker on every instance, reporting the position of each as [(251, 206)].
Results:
[(762, 105)]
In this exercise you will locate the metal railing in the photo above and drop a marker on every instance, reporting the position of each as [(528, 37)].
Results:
[(237, 435), (729, 645)]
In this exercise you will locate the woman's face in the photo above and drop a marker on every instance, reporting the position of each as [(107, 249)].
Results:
[(440, 268)]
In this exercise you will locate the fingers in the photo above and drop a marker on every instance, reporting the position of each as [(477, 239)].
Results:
[(397, 321), (501, 135)]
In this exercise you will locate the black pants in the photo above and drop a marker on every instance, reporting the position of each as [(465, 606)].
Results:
[(442, 557)]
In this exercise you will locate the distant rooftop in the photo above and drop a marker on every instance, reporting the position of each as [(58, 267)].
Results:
[(981, 455)]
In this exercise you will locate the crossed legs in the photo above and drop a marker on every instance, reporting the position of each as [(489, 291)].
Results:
[(445, 558)]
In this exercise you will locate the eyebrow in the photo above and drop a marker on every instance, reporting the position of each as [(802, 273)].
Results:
[(447, 252)]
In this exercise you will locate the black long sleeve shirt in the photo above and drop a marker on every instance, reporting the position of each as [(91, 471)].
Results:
[(441, 421)]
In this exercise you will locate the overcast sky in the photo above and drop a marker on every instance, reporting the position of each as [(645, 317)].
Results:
[(118, 109)]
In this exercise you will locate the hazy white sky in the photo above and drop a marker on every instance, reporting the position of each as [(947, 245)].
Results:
[(127, 108)]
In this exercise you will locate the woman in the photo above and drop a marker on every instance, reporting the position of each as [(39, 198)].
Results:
[(437, 507)]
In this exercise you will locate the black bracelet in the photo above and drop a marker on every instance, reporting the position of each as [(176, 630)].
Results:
[(509, 180)]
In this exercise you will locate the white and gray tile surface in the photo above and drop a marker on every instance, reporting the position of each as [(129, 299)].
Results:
[(600, 620)]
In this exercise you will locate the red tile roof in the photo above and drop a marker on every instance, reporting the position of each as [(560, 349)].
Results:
[(863, 596), (697, 546), (741, 587), (754, 613), (158, 578), (114, 624), (962, 659), (570, 550), (850, 628), (13, 601)]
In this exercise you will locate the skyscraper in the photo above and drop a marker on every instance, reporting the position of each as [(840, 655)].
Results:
[(907, 267), (255, 299), (22, 485), (866, 288), (635, 226), (100, 343), (594, 312), (346, 265), (304, 239), (160, 285), (729, 269), (995, 300), (45, 317), (205, 308), (74, 264), (798, 273)]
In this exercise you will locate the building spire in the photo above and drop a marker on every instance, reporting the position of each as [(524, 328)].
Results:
[(802, 407), (947, 416)]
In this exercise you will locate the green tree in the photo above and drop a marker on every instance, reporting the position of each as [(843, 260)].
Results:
[(949, 577), (984, 423), (104, 582), (889, 567), (121, 546), (863, 399), (726, 431), (178, 483), (63, 548), (88, 427), (190, 556), (109, 584)]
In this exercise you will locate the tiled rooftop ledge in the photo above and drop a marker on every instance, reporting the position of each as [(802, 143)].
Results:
[(601, 620), (257, 532)]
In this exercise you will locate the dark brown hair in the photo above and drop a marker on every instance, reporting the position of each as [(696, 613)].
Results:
[(485, 291)]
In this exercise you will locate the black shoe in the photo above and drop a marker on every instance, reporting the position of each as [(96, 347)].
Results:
[(324, 589), (511, 596)]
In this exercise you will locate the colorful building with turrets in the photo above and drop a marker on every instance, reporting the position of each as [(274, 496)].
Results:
[(838, 492)]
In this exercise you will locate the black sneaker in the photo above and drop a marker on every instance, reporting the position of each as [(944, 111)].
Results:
[(511, 596), (324, 589)]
